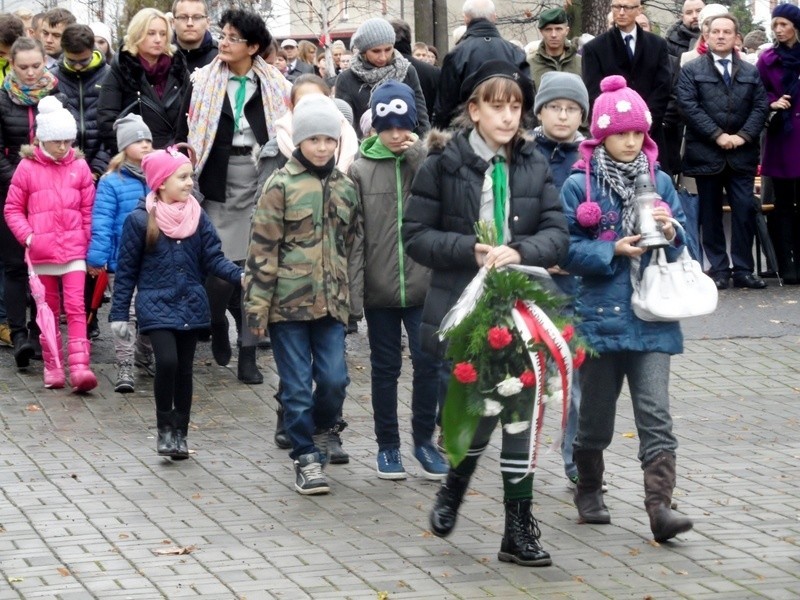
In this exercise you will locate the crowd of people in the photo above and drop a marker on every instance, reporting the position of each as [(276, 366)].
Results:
[(301, 190)]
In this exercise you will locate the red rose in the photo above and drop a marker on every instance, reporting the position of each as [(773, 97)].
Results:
[(528, 379), (464, 372), (580, 356), (499, 337), (567, 333)]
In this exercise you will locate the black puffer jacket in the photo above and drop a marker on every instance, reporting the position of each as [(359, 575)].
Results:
[(711, 108), (679, 38), (82, 89), (441, 212), (481, 42), (126, 90), (197, 58)]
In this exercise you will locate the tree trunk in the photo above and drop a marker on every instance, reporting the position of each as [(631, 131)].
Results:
[(593, 16)]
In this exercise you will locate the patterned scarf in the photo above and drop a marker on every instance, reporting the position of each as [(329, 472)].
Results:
[(211, 88), (396, 68), (178, 220), (619, 177), (29, 96)]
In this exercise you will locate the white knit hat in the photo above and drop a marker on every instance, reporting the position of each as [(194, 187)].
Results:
[(54, 122)]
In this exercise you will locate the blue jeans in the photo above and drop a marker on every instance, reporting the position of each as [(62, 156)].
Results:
[(307, 353), (571, 430), (739, 189), (385, 355), (648, 381)]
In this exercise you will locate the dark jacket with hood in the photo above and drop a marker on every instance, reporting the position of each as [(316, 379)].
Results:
[(383, 181), (444, 205), (197, 58), (82, 89), (481, 42), (126, 90), (428, 75), (679, 38)]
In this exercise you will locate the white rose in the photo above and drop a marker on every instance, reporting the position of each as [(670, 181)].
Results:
[(517, 427), (603, 121), (510, 386), (623, 106), (491, 408)]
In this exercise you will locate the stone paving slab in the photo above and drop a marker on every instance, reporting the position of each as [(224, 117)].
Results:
[(84, 499)]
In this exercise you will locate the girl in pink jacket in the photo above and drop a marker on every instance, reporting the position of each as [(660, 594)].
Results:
[(49, 210)]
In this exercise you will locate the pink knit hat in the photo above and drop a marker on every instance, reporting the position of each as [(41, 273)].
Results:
[(616, 110), (160, 164)]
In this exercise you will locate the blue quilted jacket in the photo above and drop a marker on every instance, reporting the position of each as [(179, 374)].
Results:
[(118, 193), (169, 279), (603, 299)]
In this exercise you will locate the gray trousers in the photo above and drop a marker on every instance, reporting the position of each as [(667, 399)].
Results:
[(601, 381)]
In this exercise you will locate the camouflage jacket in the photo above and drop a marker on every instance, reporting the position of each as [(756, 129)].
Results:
[(305, 259)]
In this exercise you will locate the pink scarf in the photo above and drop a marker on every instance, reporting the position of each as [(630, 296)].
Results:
[(178, 220)]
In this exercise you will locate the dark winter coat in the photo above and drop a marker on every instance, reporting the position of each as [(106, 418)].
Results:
[(357, 93), (480, 43), (197, 58), (427, 73), (82, 89), (679, 38), (383, 181), (444, 205), (711, 108), (650, 73), (560, 156), (781, 147), (126, 90), (169, 280)]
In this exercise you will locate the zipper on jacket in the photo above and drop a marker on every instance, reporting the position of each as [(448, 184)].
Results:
[(82, 144), (400, 251)]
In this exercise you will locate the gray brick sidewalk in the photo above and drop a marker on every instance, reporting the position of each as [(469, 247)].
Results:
[(84, 500)]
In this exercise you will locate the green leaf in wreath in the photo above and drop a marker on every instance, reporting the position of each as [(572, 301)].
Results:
[(458, 423)]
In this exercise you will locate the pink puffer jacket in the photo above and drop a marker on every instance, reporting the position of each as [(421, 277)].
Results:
[(53, 201)]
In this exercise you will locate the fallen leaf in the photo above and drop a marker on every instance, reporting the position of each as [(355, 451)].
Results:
[(579, 579), (33, 408), (654, 544), (174, 550), (427, 534), (634, 552), (383, 595), (123, 536), (681, 572), (775, 321), (15, 580), (196, 496), (628, 434), (2, 529), (64, 571)]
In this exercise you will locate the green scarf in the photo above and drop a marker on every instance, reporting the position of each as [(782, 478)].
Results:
[(241, 94), (500, 191), (29, 96)]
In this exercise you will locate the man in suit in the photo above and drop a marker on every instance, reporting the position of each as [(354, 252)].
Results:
[(640, 57), (294, 66), (724, 105)]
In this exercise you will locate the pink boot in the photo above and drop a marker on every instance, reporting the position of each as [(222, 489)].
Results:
[(54, 378), (80, 375)]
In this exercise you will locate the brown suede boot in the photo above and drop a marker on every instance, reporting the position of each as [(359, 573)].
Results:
[(589, 489), (659, 481)]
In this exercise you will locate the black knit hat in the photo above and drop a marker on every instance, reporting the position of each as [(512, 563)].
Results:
[(499, 68)]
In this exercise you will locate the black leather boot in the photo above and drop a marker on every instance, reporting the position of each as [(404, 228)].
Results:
[(165, 446), (281, 439), (247, 370), (520, 543), (448, 500), (221, 343), (23, 349), (180, 433), (336, 454), (659, 482), (589, 490)]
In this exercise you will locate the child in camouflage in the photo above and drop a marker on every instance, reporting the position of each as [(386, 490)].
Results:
[(303, 280)]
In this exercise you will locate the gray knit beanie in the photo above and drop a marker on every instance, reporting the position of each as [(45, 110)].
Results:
[(315, 114), (371, 33), (557, 85), (131, 129), (345, 109)]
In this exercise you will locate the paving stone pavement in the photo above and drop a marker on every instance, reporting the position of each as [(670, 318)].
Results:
[(85, 501)]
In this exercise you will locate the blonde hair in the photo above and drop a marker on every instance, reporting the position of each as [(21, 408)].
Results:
[(137, 31), (116, 163)]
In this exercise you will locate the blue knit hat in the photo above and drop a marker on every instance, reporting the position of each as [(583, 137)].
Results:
[(789, 12), (393, 104)]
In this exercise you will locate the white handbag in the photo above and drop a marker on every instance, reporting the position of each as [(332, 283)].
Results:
[(674, 291)]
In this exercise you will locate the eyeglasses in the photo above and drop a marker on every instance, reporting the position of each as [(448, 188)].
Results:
[(187, 18), (232, 40), (557, 109), (80, 63), (624, 7)]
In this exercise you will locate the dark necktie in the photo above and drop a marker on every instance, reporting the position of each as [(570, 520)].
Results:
[(628, 46), (241, 94), (500, 192), (726, 75)]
